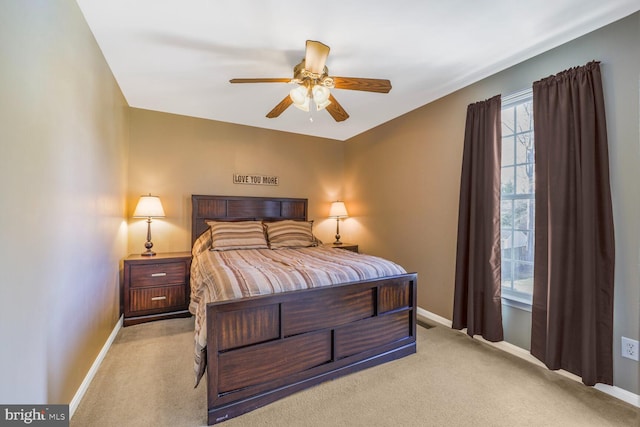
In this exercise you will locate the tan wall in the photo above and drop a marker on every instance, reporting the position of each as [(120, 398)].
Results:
[(401, 180), (404, 178), (176, 156), (63, 157)]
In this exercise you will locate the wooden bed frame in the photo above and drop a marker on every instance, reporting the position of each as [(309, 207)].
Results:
[(261, 349)]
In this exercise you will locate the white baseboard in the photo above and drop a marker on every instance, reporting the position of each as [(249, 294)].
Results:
[(94, 368), (620, 393), (617, 392), (432, 316)]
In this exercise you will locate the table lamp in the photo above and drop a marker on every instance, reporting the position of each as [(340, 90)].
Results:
[(149, 207), (338, 210)]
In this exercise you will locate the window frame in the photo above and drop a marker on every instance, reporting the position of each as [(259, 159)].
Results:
[(509, 296)]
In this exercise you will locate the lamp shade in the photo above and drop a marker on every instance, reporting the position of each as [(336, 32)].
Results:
[(338, 210), (149, 207)]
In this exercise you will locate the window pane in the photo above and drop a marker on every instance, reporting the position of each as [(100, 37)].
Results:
[(523, 246), (523, 212), (506, 243), (523, 277), (506, 213), (524, 179), (524, 117), (507, 121), (507, 275), (524, 148), (507, 182), (508, 155)]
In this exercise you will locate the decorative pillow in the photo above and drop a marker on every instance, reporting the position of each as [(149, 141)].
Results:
[(290, 234), (237, 235)]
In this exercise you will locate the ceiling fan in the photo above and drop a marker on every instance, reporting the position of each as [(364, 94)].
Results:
[(314, 83)]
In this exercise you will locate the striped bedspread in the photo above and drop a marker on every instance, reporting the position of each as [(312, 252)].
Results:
[(233, 274)]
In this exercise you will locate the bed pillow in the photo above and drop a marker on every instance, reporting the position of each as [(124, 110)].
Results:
[(237, 235), (290, 234), (202, 243)]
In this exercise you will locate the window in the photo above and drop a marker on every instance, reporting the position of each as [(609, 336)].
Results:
[(517, 194)]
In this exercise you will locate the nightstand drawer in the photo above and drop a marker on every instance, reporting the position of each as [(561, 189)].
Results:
[(168, 273), (145, 299)]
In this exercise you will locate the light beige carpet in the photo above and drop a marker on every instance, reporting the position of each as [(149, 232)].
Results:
[(146, 379)]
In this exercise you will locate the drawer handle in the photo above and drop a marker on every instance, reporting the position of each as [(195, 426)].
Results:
[(158, 274), (158, 298)]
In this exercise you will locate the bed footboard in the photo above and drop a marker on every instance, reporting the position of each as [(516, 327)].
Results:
[(264, 348)]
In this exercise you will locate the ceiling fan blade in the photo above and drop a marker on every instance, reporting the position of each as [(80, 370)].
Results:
[(278, 109), (265, 80), (335, 109), (315, 56), (357, 83)]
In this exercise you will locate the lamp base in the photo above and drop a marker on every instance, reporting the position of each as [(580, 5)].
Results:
[(148, 244), (337, 242)]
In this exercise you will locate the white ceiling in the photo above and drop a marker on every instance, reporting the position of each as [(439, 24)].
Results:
[(177, 56)]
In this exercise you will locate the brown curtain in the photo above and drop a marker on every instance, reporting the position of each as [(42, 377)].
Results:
[(477, 302), (572, 314)]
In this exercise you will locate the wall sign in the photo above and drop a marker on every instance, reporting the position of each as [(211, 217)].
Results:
[(255, 179)]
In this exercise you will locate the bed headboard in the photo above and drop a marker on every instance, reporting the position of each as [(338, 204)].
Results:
[(238, 208)]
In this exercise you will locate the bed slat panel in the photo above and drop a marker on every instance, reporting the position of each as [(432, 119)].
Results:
[(394, 296), (249, 326), (271, 361), (253, 209), (294, 209), (211, 208), (327, 310), (371, 333)]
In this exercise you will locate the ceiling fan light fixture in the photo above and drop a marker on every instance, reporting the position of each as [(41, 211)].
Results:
[(323, 105), (321, 96), (304, 106), (300, 98)]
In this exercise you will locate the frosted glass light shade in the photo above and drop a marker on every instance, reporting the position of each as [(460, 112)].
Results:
[(320, 96), (300, 98), (149, 207)]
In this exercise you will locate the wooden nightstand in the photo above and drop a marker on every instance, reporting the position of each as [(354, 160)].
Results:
[(348, 246), (156, 287)]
